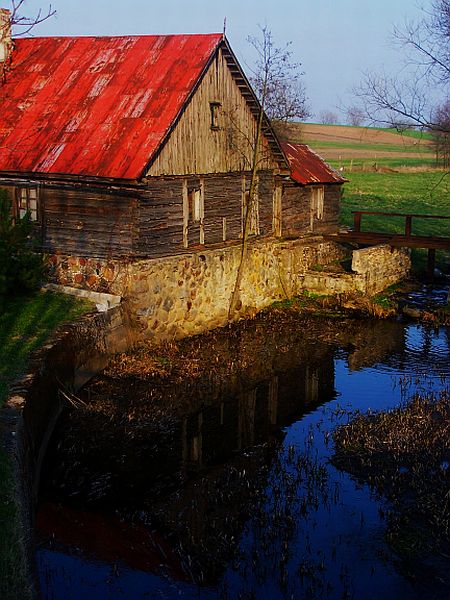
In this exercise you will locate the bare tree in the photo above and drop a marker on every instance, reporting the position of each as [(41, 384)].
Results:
[(441, 134), (328, 117), (355, 116), (24, 24), (276, 79), (14, 19), (271, 76), (406, 100)]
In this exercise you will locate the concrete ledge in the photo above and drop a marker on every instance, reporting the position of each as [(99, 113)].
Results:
[(102, 300)]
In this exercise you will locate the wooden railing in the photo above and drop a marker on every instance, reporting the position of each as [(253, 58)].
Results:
[(357, 217)]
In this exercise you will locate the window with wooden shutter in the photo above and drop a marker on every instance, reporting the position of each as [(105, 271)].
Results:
[(196, 205), (27, 200), (252, 206), (318, 194)]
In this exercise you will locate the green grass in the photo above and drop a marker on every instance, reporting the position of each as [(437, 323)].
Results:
[(366, 164), (26, 323), (400, 147), (412, 133), (425, 192)]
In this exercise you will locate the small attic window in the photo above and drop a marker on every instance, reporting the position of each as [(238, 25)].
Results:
[(214, 108)]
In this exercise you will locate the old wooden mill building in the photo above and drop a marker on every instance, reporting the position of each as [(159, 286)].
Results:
[(141, 146), (132, 148)]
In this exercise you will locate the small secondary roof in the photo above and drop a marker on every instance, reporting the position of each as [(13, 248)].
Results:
[(307, 167), (96, 106)]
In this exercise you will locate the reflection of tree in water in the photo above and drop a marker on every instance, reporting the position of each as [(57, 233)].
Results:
[(296, 487)]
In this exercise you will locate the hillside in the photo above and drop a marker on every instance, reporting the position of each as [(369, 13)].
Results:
[(343, 143)]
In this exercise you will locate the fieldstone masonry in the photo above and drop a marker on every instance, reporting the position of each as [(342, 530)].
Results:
[(373, 270), (189, 293)]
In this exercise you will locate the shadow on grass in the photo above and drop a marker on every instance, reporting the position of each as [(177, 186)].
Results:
[(26, 323)]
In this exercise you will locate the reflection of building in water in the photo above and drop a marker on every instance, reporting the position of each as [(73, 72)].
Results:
[(155, 472), (216, 432), (392, 344), (375, 342)]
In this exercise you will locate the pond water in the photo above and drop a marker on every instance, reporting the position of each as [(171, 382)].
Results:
[(236, 496)]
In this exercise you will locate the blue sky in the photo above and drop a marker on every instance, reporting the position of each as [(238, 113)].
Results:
[(335, 40)]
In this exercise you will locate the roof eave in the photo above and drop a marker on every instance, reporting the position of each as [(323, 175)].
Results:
[(254, 104)]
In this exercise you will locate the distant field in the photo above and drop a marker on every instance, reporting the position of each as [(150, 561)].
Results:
[(361, 147), (387, 171)]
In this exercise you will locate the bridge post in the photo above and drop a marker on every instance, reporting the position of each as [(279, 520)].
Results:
[(408, 225), (431, 263)]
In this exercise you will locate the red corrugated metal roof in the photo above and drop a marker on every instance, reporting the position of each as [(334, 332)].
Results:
[(308, 167), (96, 106)]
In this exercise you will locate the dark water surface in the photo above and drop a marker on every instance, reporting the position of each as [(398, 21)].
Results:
[(236, 497)]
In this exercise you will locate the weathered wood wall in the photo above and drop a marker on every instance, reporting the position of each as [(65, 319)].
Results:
[(195, 148), (298, 214), (161, 217), (87, 223), (158, 228), (149, 219), (153, 219), (331, 209)]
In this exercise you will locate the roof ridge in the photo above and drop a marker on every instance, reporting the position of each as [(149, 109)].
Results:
[(124, 35)]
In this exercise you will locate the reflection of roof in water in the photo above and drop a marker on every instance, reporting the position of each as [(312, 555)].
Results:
[(106, 539)]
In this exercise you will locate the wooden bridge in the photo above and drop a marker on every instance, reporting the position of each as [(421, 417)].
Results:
[(402, 240)]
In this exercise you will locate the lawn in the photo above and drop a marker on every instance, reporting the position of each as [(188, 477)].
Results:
[(426, 192), (26, 323), (367, 164)]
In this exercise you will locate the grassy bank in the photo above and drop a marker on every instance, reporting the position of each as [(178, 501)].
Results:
[(26, 323), (425, 192)]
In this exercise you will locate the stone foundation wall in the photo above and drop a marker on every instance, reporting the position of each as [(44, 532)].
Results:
[(374, 269), (378, 267), (186, 294)]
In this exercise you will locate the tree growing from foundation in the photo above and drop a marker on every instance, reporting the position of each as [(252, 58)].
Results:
[(280, 93), (277, 80)]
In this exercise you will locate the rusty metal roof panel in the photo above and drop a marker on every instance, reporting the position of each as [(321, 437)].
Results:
[(307, 167), (96, 106)]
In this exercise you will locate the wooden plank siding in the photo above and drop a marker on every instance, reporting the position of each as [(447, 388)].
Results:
[(298, 214), (85, 223), (159, 223), (155, 218), (148, 220), (165, 228), (194, 147)]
